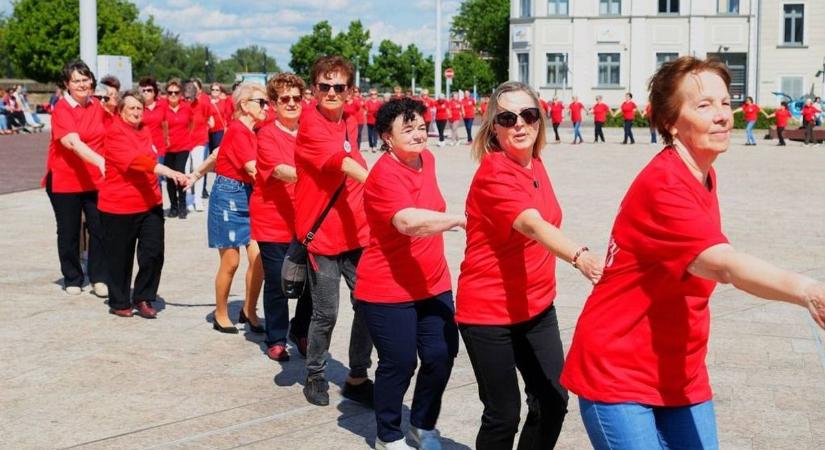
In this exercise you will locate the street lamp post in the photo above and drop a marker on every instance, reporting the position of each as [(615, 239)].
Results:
[(88, 33), (437, 48), (413, 79)]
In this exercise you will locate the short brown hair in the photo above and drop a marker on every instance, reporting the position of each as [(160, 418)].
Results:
[(131, 93), (174, 82), (332, 64), (281, 82), (665, 103), (486, 142)]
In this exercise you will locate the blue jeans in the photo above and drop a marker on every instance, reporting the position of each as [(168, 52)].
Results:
[(577, 131), (749, 132), (634, 426), (468, 125), (652, 135), (403, 333), (628, 132)]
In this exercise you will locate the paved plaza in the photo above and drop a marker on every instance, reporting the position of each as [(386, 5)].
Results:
[(73, 376)]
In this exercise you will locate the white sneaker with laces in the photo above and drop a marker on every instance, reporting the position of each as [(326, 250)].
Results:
[(394, 445), (100, 290), (73, 290), (425, 439)]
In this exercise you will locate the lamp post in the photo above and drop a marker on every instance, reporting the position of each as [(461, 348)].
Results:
[(412, 85), (88, 33), (437, 48)]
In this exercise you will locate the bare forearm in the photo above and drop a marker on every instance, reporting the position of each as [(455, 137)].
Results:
[(354, 170), (425, 222), (207, 164), (285, 173), (548, 235), (83, 151), (762, 279)]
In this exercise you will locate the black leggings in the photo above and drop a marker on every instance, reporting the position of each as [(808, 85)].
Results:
[(556, 130), (599, 132), (440, 124), (177, 196)]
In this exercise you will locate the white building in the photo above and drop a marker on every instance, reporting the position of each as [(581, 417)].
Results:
[(609, 47)]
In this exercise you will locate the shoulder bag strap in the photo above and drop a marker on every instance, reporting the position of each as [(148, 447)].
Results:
[(311, 234)]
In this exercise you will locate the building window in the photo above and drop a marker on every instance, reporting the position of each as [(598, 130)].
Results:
[(526, 10), (662, 58), (668, 6), (556, 69), (609, 66), (792, 87), (523, 67), (610, 7), (729, 6), (557, 7), (794, 19)]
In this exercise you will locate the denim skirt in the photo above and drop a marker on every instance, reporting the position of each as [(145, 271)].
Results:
[(227, 222)]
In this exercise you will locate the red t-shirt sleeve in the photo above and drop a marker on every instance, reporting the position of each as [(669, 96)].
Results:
[(244, 150), (326, 155), (676, 230), (271, 152), (505, 198), (63, 121), (388, 196)]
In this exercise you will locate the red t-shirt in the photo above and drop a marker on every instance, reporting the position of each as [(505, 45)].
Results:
[(782, 116), (556, 112), (127, 190), (319, 152), (600, 111), (372, 107), (628, 110), (238, 147), (201, 110), (643, 334), (506, 277), (69, 172), (153, 121), (809, 113), (361, 114), (428, 113), (484, 108), (750, 111), (576, 111), (442, 110), (180, 139), (395, 267), (217, 112), (272, 204), (545, 107), (469, 106), (455, 110)]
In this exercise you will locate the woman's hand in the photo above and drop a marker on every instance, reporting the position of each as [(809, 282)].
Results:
[(191, 178), (591, 266), (815, 300)]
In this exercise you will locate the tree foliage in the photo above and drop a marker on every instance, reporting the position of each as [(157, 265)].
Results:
[(353, 44), (471, 70), (485, 24)]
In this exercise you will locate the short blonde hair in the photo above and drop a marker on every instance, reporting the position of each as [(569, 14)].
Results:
[(486, 142), (244, 92)]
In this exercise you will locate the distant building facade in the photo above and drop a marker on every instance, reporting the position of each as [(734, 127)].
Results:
[(609, 47)]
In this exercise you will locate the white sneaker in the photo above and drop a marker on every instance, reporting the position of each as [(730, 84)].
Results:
[(394, 445), (425, 439), (73, 290), (100, 290), (199, 207)]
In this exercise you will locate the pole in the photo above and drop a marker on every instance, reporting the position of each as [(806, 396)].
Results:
[(88, 33), (437, 48), (413, 79), (358, 71)]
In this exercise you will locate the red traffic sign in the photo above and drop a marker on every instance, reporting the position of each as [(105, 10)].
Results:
[(449, 74)]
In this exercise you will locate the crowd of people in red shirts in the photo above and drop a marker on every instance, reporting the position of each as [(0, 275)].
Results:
[(289, 175)]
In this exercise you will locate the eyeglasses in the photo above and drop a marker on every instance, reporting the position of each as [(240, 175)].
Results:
[(102, 98), (147, 90), (508, 119), (339, 88), (285, 99), (78, 81), (173, 92), (260, 101), (216, 89)]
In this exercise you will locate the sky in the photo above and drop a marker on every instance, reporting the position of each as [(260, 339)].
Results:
[(225, 25)]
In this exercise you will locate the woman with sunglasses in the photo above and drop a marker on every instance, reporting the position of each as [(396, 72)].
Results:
[(272, 215), (74, 168), (131, 210), (228, 216), (178, 120), (154, 112), (504, 304)]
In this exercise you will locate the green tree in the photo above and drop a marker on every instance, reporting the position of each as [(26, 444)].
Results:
[(413, 60), (253, 59), (169, 59), (387, 65), (485, 24), (470, 70), (355, 45), (311, 46), (41, 35)]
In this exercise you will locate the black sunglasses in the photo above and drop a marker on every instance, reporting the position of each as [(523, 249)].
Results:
[(285, 99), (147, 89), (260, 101), (173, 92), (508, 119), (102, 98), (339, 88)]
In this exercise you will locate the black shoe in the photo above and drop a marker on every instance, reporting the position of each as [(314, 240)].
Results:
[(182, 213), (227, 330), (205, 194), (361, 393), (173, 212), (316, 391), (243, 319)]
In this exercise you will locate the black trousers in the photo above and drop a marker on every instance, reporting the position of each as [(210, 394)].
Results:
[(440, 124), (780, 133), (599, 131), (809, 132), (177, 195), (122, 233), (556, 130), (534, 349), (67, 209), (276, 306), (628, 132)]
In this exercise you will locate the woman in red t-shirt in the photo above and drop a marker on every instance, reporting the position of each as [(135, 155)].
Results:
[(73, 170), (456, 113), (468, 104), (442, 114), (404, 289), (429, 104), (371, 106), (600, 111), (637, 360), (218, 120), (751, 111), (556, 115), (228, 215), (782, 116), (131, 209), (628, 112), (154, 113), (272, 215), (576, 108), (178, 127), (504, 304), (809, 112)]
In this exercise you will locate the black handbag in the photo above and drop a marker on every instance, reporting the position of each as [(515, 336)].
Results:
[(294, 268)]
